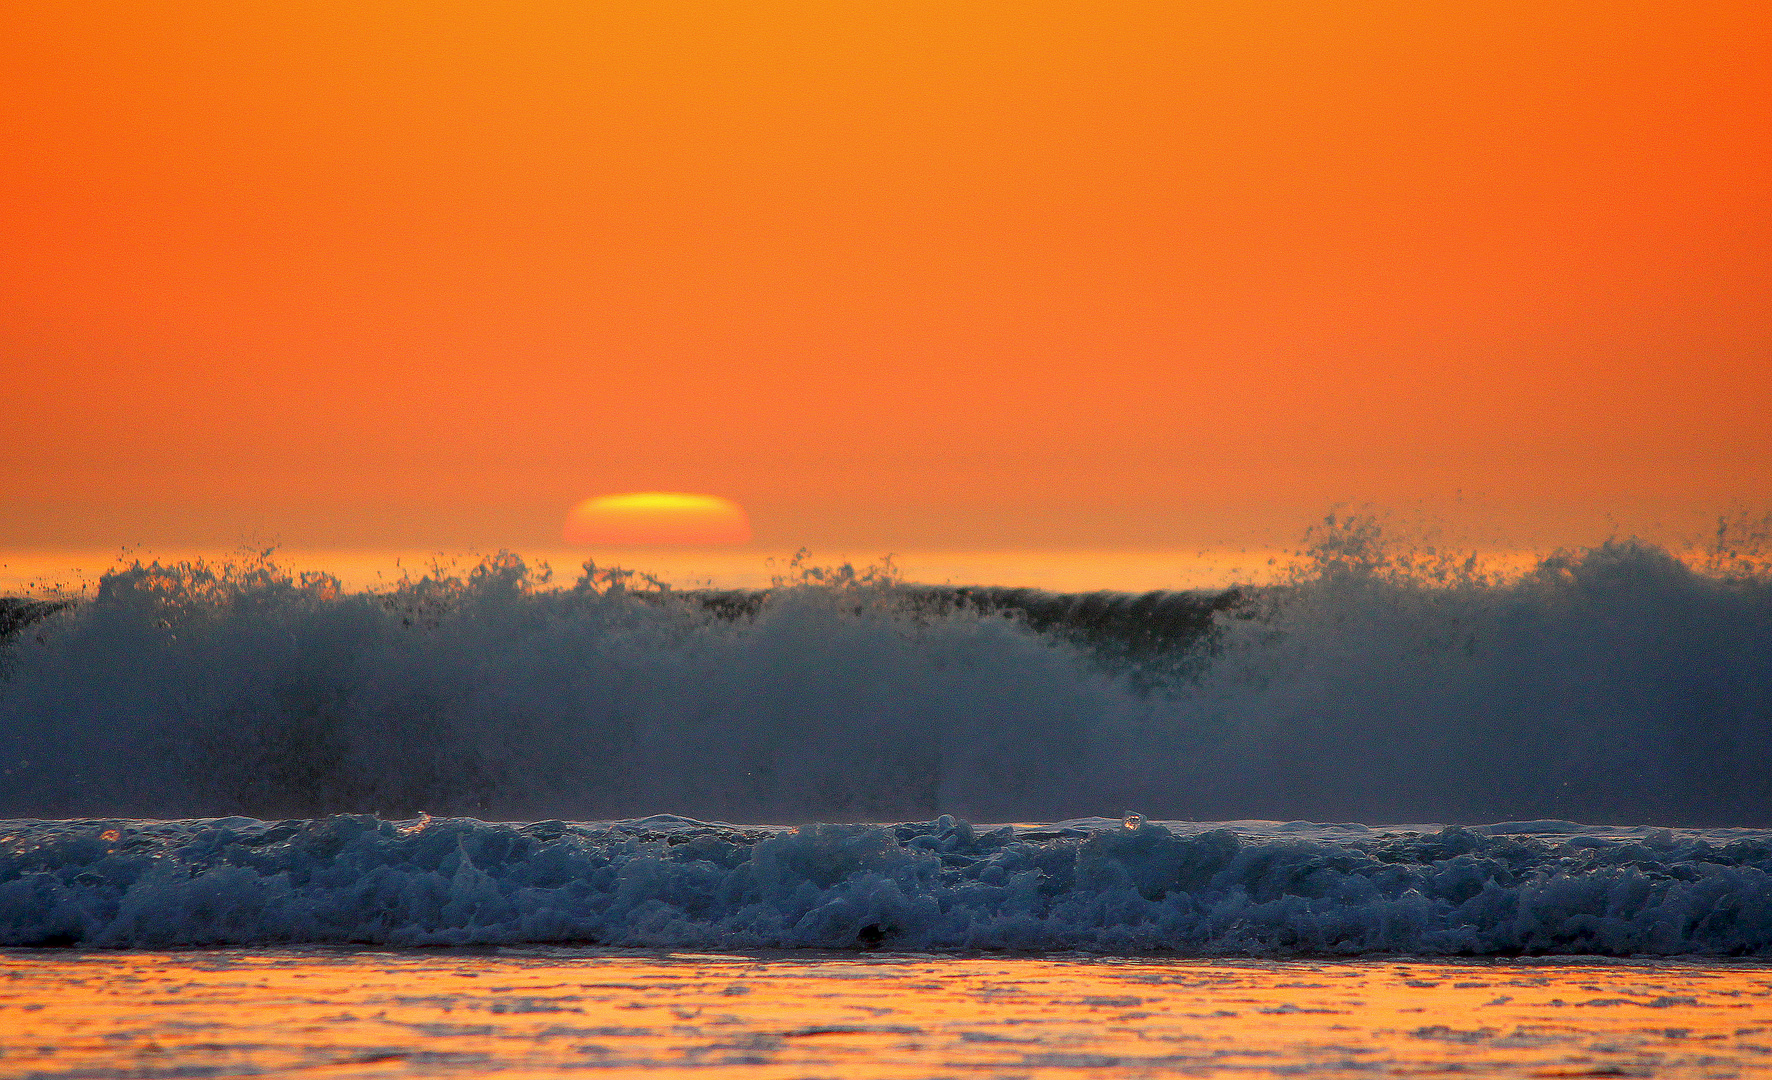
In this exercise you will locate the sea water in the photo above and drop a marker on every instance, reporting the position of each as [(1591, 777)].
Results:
[(1095, 947), (755, 816)]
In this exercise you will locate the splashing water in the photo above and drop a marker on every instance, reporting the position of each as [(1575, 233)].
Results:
[(1376, 682)]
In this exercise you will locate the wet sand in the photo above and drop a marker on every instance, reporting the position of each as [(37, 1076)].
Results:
[(553, 1011)]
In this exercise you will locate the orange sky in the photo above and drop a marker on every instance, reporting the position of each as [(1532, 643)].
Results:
[(999, 275)]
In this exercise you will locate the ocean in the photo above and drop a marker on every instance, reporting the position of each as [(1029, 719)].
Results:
[(1386, 813)]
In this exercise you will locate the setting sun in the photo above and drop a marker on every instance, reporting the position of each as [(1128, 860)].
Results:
[(649, 518)]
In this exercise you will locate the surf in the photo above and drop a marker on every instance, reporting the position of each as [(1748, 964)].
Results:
[(1375, 682)]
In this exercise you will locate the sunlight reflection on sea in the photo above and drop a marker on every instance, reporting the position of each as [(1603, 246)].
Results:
[(41, 572), (546, 1011)]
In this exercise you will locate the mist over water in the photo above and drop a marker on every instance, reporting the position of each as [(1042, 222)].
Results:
[(1378, 682)]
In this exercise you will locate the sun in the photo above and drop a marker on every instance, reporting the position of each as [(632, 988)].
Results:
[(657, 519)]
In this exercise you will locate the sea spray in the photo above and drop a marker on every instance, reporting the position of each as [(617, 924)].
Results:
[(1374, 682)]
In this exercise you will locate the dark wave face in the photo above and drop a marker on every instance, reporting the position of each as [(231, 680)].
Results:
[(1616, 684)]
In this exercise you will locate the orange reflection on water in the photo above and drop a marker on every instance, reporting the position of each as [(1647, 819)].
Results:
[(43, 572), (542, 1012)]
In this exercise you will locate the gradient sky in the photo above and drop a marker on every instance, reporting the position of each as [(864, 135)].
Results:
[(950, 274)]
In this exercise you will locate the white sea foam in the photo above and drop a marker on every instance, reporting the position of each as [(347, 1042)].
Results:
[(1093, 885)]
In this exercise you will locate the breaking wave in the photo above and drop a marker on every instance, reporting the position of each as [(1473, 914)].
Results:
[(1108, 886), (1377, 682)]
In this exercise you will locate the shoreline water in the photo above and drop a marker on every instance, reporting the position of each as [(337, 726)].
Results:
[(543, 1011)]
